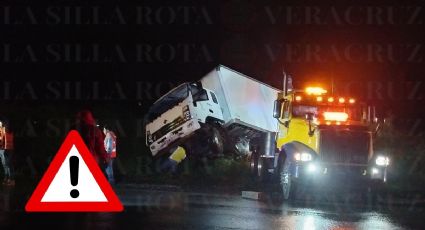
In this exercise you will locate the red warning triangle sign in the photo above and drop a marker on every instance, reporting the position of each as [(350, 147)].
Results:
[(88, 192)]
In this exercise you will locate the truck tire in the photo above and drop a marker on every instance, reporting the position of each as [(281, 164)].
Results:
[(287, 186), (265, 164), (253, 165), (259, 167), (216, 141), (286, 182)]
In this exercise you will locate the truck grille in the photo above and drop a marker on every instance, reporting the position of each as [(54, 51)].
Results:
[(167, 128), (344, 146)]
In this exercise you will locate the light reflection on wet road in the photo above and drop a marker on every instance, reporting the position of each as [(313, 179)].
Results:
[(206, 211), (153, 209)]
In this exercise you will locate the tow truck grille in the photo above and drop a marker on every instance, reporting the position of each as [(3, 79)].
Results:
[(344, 146)]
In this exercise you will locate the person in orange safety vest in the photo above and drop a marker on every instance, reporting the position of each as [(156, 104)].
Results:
[(6, 152), (110, 143)]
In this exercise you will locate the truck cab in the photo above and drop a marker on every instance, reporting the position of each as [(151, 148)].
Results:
[(179, 114), (325, 139)]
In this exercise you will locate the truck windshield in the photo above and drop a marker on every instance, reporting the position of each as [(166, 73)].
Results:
[(167, 102)]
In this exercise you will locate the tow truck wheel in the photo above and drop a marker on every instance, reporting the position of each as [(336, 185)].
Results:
[(287, 184)]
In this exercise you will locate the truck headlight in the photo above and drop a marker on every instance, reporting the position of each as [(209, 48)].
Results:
[(186, 113), (311, 168), (149, 136), (303, 157), (382, 161)]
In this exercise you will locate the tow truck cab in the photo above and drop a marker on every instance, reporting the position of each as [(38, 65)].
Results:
[(326, 139)]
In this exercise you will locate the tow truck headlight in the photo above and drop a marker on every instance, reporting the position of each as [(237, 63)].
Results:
[(382, 161), (303, 157), (311, 168)]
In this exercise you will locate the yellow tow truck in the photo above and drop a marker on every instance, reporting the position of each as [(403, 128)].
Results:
[(324, 139)]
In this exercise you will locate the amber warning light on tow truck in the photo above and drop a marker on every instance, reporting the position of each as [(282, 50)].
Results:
[(335, 116), (315, 91), (320, 97)]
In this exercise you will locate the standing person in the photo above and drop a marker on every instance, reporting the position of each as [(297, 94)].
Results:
[(92, 136), (2, 156), (111, 149), (6, 152)]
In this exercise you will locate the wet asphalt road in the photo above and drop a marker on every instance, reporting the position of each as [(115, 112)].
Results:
[(170, 208)]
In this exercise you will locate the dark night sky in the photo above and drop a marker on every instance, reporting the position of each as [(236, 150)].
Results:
[(373, 49)]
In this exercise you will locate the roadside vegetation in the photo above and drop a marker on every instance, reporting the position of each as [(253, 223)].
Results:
[(406, 149)]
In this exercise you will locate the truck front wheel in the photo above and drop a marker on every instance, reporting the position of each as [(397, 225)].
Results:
[(287, 184), (216, 141)]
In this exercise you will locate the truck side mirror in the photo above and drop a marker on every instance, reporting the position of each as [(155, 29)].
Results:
[(277, 109), (197, 85)]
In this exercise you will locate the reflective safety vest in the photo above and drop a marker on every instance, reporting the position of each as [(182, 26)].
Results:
[(2, 138), (8, 142), (111, 144)]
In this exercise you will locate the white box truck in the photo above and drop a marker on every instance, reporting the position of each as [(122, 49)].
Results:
[(225, 112)]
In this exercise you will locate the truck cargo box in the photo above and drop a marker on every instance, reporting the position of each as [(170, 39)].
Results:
[(243, 100)]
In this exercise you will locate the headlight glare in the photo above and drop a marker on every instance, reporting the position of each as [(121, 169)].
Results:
[(375, 171), (311, 168), (303, 157), (382, 161)]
